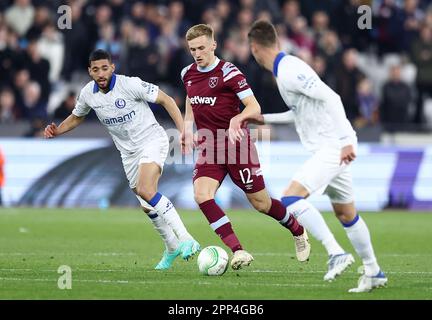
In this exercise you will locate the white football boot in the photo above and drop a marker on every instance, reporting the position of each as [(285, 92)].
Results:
[(240, 259), (302, 247), (367, 283), (337, 264)]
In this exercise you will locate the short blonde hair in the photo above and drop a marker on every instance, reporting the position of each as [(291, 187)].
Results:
[(198, 31)]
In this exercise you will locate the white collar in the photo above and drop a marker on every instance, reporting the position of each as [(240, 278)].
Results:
[(210, 67)]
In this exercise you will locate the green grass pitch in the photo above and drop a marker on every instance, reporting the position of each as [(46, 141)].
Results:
[(112, 254)]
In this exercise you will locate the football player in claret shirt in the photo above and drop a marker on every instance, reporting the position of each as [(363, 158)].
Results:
[(215, 89), (121, 105), (324, 130)]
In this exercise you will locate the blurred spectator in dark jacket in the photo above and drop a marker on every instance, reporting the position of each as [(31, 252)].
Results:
[(108, 41), (330, 49), (368, 105), (36, 130), (347, 77), (346, 24), (421, 52), (396, 99), (290, 11), (176, 16), (406, 24), (8, 108), (301, 35), (21, 79), (39, 69), (319, 65), (142, 56), (320, 24), (76, 43), (385, 32), (41, 18), (180, 59), (10, 56), (66, 107), (34, 106)]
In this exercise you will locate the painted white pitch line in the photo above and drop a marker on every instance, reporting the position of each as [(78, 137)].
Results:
[(325, 255), (169, 282), (324, 271), (140, 254), (173, 271), (66, 253)]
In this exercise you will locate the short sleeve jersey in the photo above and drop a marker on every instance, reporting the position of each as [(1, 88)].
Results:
[(123, 110), (215, 93)]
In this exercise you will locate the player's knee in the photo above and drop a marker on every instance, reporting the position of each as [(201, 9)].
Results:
[(146, 192), (345, 216), (345, 212), (201, 196), (260, 205)]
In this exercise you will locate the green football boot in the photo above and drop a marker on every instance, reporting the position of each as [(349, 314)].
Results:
[(168, 259), (189, 248)]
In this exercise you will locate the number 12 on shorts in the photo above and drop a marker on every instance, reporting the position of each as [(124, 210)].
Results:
[(246, 173)]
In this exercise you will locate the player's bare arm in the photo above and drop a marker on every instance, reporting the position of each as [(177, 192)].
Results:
[(187, 131), (68, 124), (171, 107), (252, 108)]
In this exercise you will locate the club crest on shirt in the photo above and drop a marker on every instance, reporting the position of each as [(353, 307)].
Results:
[(213, 81), (120, 103)]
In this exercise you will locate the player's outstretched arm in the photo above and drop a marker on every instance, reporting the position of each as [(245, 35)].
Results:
[(68, 124), (282, 117), (251, 109), (187, 138), (171, 107)]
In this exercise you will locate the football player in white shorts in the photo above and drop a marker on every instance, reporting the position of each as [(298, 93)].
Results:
[(121, 105), (323, 128)]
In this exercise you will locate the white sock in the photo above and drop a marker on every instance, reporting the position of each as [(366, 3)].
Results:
[(165, 209), (311, 219), (358, 233), (165, 231)]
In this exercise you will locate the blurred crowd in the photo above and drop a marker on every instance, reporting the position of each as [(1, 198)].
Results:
[(383, 74)]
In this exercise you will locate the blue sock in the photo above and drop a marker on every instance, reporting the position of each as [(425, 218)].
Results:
[(287, 201)]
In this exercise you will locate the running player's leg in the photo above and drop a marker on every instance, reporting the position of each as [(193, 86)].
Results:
[(172, 244), (314, 176), (341, 194), (147, 188), (244, 170), (309, 217), (262, 202), (207, 179)]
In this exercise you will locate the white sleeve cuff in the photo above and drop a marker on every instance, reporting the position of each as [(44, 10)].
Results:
[(244, 94), (283, 117)]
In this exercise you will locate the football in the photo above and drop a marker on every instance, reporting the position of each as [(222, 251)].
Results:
[(213, 261)]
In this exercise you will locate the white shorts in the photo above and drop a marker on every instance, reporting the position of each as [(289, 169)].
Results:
[(322, 173), (155, 149)]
